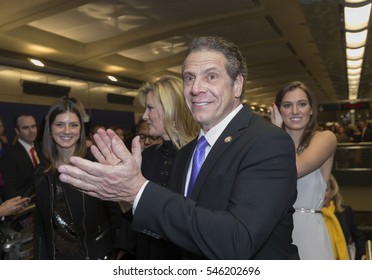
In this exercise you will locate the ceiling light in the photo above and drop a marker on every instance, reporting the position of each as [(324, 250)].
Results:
[(353, 90), (354, 71), (354, 1), (36, 62), (353, 87), (355, 77), (354, 63), (353, 83), (112, 78), (356, 39), (357, 18), (353, 97), (355, 53)]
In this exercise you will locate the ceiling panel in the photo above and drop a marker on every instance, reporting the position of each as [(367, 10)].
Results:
[(143, 39)]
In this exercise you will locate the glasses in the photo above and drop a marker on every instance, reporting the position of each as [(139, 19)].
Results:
[(144, 137)]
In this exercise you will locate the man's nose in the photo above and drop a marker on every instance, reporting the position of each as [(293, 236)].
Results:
[(197, 86)]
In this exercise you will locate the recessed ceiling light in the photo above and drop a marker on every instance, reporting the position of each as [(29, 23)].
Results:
[(36, 62), (112, 78)]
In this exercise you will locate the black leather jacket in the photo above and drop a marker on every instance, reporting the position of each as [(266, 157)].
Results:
[(96, 220)]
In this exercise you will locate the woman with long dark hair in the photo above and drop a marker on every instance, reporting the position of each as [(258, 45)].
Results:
[(68, 224), (295, 111)]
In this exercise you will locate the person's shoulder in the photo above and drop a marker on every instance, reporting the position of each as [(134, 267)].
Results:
[(264, 126), (186, 149), (150, 150), (347, 208), (260, 131), (12, 151), (325, 135)]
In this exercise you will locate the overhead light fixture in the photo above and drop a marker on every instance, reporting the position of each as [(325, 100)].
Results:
[(354, 1), (353, 83), (354, 63), (356, 39), (36, 62), (354, 77), (355, 53), (356, 19), (355, 71), (112, 78)]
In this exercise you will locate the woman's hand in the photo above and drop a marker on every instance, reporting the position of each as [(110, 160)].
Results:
[(13, 205), (275, 116), (102, 151)]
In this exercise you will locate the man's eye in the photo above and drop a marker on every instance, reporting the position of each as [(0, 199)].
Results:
[(188, 78)]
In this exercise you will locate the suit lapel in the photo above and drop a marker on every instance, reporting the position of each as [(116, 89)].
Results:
[(231, 133), (180, 167), (25, 154)]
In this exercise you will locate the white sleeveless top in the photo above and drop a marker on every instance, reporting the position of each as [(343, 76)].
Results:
[(310, 233)]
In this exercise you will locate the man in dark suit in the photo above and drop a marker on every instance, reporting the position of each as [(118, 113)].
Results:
[(18, 164), (241, 203)]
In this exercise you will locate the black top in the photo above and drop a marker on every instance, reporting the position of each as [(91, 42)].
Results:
[(351, 231), (65, 216), (3, 148), (157, 161)]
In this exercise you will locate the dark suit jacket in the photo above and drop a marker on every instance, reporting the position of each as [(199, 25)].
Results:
[(351, 231), (242, 203), (18, 171)]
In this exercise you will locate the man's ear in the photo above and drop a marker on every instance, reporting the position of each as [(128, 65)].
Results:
[(238, 86)]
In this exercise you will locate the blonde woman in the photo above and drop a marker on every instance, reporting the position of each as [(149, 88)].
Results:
[(167, 116), (334, 207)]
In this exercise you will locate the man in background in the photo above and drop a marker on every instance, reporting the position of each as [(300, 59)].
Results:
[(19, 162)]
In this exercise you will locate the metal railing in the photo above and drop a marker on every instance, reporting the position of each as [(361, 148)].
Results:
[(353, 157)]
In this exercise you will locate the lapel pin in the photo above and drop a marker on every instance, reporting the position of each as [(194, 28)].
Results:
[(228, 139)]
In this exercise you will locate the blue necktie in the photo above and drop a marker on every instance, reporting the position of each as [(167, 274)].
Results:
[(197, 163)]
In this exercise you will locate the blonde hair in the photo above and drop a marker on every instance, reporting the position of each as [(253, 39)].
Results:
[(337, 198), (178, 121)]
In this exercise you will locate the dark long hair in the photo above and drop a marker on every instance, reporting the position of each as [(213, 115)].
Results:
[(50, 152), (312, 125)]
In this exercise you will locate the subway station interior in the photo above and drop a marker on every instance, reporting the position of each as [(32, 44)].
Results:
[(100, 52)]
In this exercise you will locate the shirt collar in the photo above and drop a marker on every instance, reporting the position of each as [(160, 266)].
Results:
[(215, 132), (24, 144)]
